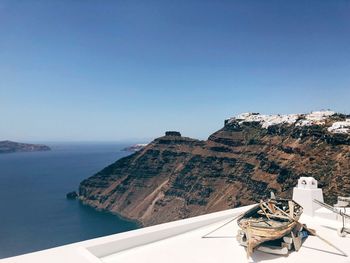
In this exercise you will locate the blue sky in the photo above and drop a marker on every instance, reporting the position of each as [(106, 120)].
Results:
[(84, 70)]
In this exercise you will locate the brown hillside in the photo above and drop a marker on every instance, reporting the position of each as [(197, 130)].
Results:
[(176, 177)]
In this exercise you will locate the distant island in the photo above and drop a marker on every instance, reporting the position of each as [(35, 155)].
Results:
[(11, 147), (135, 147)]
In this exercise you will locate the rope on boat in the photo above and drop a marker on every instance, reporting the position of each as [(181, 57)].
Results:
[(206, 235), (313, 232)]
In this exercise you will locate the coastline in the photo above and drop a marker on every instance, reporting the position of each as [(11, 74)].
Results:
[(137, 223), (48, 176)]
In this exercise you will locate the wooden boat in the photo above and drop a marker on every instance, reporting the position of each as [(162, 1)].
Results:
[(269, 220)]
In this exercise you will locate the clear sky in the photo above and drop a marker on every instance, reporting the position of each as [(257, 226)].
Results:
[(84, 70)]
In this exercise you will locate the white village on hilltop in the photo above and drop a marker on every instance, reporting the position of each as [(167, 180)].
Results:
[(313, 118)]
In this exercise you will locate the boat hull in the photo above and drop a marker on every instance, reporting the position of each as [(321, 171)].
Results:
[(259, 228), (260, 235)]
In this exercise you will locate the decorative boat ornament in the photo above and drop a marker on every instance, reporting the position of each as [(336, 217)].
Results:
[(269, 220)]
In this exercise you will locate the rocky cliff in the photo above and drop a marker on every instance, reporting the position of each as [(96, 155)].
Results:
[(176, 177), (10, 147)]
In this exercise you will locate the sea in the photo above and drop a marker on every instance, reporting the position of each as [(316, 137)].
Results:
[(34, 211)]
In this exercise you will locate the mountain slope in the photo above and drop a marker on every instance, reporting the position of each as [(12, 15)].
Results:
[(176, 177)]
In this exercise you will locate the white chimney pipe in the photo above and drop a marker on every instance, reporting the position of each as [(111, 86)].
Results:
[(305, 193)]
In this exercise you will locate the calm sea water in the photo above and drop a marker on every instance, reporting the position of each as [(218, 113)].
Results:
[(34, 212)]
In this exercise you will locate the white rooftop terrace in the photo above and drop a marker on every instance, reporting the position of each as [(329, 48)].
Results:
[(182, 241)]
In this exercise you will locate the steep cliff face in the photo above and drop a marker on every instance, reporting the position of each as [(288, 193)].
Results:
[(176, 177)]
